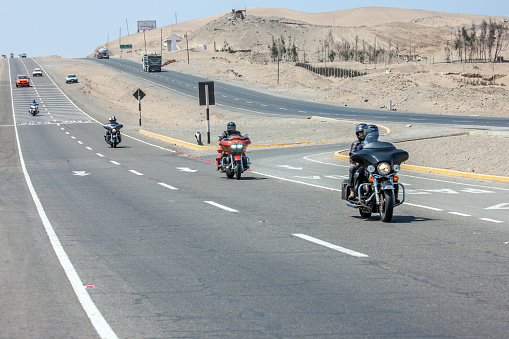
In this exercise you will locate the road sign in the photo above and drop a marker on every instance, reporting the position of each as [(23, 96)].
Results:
[(203, 95), (139, 94), (126, 46)]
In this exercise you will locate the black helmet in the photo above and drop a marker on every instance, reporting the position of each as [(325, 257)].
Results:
[(371, 133), (231, 127), (113, 118), (359, 131)]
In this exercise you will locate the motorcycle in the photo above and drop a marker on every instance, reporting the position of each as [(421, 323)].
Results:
[(34, 109), (113, 137), (377, 186), (232, 158)]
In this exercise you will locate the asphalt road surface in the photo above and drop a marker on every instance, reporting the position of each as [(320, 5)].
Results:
[(140, 241), (255, 102)]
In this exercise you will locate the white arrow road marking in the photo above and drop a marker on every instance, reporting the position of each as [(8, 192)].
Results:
[(502, 206), (135, 172), (221, 206), (167, 186), (80, 173), (312, 177), (290, 167), (186, 169), (329, 245)]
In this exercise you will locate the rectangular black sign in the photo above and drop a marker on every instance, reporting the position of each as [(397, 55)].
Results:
[(202, 95)]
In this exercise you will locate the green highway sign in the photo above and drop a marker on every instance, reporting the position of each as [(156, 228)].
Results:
[(126, 46)]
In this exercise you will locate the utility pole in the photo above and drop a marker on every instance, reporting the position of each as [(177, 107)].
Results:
[(127, 24), (187, 47)]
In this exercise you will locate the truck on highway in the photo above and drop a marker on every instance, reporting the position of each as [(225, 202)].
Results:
[(103, 53), (152, 62)]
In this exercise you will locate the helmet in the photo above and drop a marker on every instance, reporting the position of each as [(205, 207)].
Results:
[(371, 133), (231, 127), (359, 131), (113, 118)]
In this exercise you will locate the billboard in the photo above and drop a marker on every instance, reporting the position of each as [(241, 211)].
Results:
[(146, 25)]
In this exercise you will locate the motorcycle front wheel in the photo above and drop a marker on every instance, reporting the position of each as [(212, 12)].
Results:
[(386, 205), (238, 170)]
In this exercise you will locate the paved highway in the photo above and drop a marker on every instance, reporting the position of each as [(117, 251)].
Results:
[(260, 102), (158, 244)]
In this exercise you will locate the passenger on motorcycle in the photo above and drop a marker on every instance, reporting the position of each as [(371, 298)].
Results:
[(356, 146), (231, 129), (113, 124)]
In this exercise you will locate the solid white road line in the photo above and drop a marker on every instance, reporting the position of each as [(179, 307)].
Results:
[(221, 206), (427, 207), (460, 214), (98, 321), (329, 245), (167, 186), (491, 220), (296, 181)]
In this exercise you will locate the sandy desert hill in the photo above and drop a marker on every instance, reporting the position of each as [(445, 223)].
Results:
[(424, 32)]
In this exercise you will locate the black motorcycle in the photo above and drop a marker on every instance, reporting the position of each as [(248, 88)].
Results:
[(376, 183), (113, 137)]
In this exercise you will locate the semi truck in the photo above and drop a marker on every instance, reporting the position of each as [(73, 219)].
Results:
[(103, 53), (152, 63)]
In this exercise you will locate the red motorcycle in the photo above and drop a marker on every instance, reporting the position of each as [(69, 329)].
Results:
[(232, 158)]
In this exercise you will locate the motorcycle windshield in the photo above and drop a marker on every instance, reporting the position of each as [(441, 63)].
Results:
[(376, 152)]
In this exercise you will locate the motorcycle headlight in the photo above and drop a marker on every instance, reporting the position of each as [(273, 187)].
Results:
[(237, 147), (114, 130), (384, 168), (371, 168), (397, 168)]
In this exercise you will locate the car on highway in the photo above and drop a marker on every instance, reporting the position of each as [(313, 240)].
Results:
[(23, 55), (37, 72), (22, 80), (71, 78)]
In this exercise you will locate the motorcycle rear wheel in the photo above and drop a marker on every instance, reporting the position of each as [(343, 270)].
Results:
[(386, 205)]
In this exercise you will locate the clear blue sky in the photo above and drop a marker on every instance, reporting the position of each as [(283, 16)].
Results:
[(75, 28)]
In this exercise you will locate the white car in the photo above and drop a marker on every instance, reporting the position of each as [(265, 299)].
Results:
[(37, 72), (71, 78)]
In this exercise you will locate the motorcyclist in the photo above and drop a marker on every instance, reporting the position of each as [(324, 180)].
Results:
[(231, 129), (113, 124), (356, 146), (34, 106)]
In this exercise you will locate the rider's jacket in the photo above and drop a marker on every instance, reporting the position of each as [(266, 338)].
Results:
[(226, 134)]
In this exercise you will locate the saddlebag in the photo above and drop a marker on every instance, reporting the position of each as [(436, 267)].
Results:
[(344, 189)]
